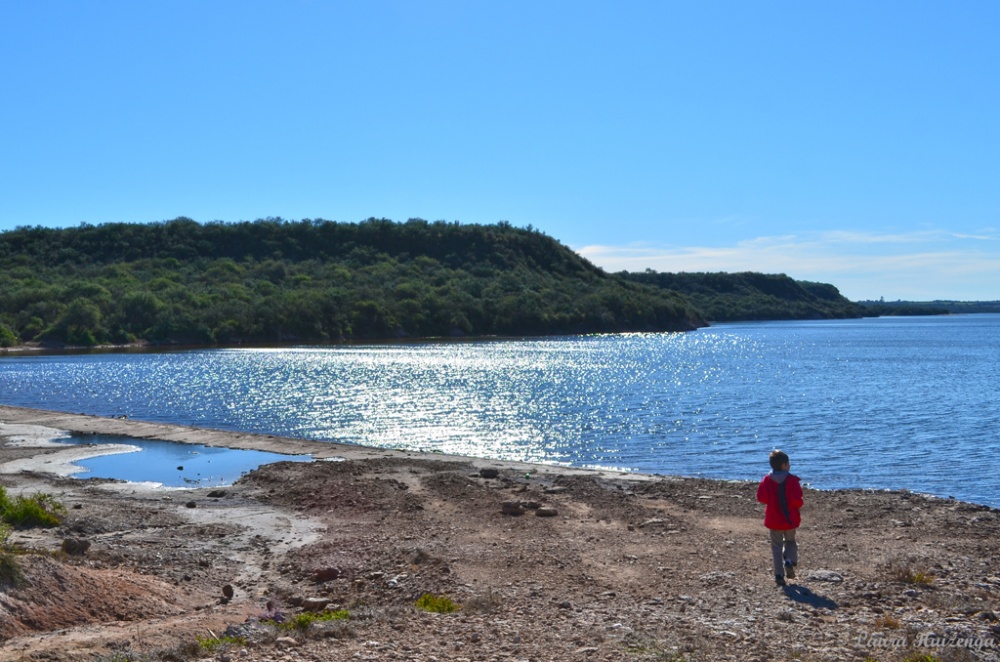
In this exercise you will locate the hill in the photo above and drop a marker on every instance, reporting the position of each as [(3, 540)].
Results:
[(310, 281), (938, 307), (751, 296)]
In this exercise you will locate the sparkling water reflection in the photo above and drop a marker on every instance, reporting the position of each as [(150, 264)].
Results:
[(879, 403)]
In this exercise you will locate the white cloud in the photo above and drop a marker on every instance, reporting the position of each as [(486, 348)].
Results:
[(923, 265)]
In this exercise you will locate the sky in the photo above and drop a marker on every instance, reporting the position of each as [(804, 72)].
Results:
[(852, 143)]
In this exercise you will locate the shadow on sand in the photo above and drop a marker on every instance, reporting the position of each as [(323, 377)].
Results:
[(802, 594)]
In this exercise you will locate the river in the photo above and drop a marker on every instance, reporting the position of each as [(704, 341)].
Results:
[(884, 403)]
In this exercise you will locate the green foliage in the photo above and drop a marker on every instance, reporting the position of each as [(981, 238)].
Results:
[(37, 510), (437, 604), (213, 643), (730, 297), (311, 281), (304, 620), (7, 337), (885, 308)]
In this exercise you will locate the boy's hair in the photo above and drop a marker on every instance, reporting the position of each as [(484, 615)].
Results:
[(777, 459)]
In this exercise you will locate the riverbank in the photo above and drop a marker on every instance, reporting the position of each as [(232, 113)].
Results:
[(599, 566)]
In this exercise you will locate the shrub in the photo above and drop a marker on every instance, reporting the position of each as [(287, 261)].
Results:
[(304, 620), (38, 510), (10, 570), (888, 621), (437, 604), (214, 643), (906, 570), (7, 337)]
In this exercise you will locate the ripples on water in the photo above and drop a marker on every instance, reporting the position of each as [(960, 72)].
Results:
[(880, 403)]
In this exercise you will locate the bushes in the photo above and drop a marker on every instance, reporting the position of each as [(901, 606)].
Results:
[(37, 510), (23, 512), (438, 604), (7, 337)]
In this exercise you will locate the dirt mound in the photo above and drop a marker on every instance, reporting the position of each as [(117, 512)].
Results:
[(54, 594)]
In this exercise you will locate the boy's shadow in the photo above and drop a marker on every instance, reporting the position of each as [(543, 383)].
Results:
[(802, 594)]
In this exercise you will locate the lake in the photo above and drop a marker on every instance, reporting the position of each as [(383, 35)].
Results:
[(884, 403)]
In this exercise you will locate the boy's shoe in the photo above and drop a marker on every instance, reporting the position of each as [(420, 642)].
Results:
[(779, 580), (789, 570)]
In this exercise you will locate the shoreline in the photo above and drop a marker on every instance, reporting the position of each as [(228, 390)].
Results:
[(84, 424), (587, 564)]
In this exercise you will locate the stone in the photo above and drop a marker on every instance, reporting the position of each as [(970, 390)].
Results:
[(327, 574), (75, 546), (286, 642), (488, 473), (227, 592), (825, 576), (315, 604), (558, 489), (513, 508), (190, 504), (546, 511)]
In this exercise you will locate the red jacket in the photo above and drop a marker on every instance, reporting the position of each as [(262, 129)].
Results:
[(774, 516)]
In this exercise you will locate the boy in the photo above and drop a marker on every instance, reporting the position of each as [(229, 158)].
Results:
[(781, 492)]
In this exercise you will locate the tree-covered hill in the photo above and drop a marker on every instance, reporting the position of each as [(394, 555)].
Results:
[(731, 297), (310, 281)]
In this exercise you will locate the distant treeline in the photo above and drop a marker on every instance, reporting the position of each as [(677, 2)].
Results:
[(750, 296), (888, 308), (311, 281)]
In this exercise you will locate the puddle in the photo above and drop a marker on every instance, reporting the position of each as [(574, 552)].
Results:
[(169, 463)]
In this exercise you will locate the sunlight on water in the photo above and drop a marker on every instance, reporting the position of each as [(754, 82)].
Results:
[(857, 403)]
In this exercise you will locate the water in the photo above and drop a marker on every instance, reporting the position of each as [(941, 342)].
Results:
[(895, 403), (172, 464)]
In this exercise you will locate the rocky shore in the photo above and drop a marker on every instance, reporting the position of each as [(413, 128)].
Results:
[(328, 560)]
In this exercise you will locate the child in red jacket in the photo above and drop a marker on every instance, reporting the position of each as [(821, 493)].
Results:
[(781, 492)]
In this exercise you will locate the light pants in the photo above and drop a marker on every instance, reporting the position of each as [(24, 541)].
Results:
[(783, 548)]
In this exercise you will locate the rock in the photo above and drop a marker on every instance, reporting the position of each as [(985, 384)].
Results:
[(286, 642), (75, 546), (512, 508), (180, 468), (327, 574), (315, 604), (216, 494), (656, 521), (227, 592), (825, 576), (488, 473), (587, 650), (190, 504), (531, 505), (558, 489), (547, 511)]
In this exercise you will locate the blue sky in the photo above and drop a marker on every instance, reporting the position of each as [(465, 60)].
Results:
[(854, 143)]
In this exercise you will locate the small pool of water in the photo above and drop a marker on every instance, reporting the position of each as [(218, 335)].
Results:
[(173, 464)]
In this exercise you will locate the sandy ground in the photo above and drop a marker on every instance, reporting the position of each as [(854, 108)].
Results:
[(600, 565)]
